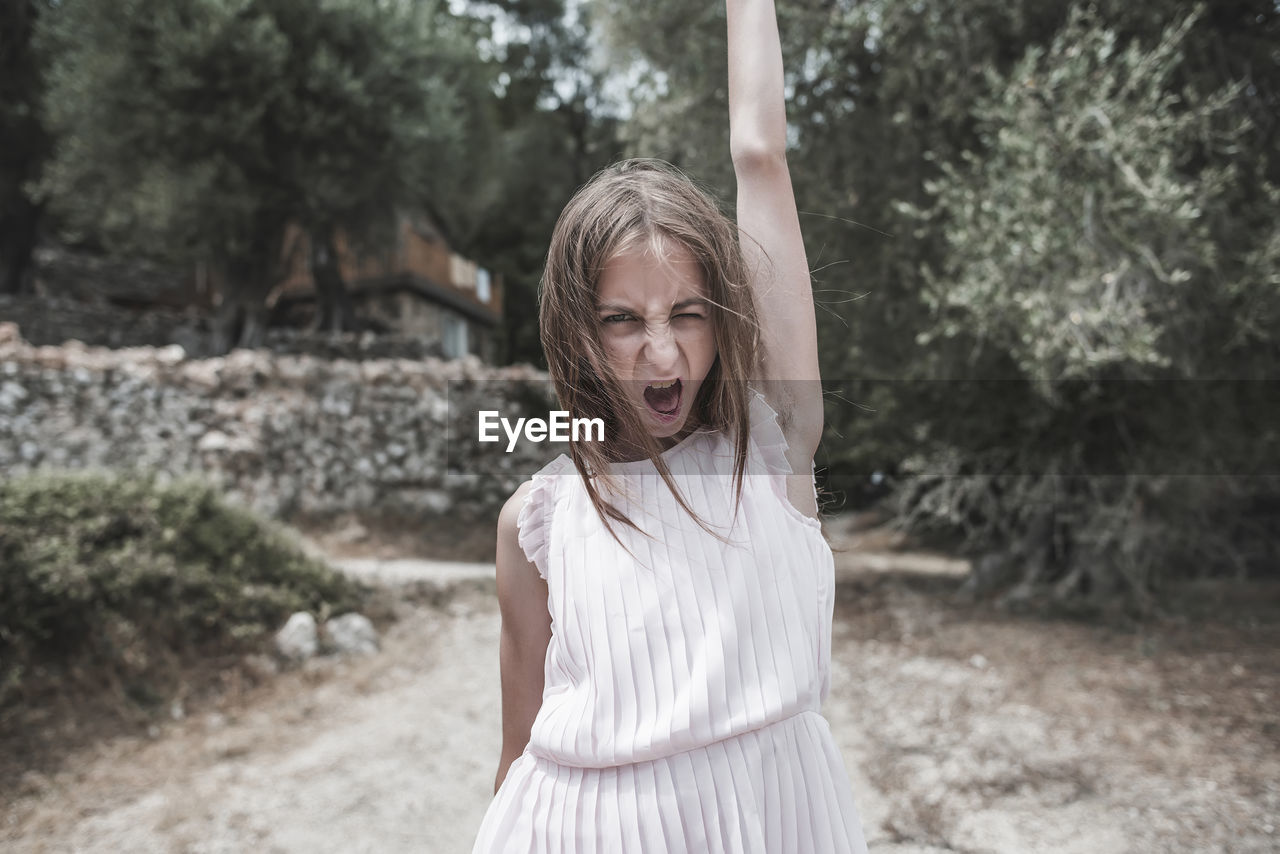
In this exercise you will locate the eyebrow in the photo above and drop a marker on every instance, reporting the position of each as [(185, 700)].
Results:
[(684, 303)]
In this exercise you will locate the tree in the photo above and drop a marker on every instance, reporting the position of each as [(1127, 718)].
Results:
[(1107, 233), (538, 134), (25, 140), (200, 129)]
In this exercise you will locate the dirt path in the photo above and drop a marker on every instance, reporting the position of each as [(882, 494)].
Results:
[(962, 732), (385, 754)]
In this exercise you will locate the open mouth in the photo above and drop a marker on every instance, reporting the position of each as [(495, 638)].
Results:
[(663, 397)]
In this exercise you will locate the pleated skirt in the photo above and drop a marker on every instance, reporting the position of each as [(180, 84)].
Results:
[(781, 789)]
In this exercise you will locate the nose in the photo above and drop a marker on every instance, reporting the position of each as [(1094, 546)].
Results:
[(660, 348)]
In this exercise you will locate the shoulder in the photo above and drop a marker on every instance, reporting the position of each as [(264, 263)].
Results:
[(518, 575), (533, 490), (517, 515), (525, 519), (780, 453), (509, 516), (797, 415), (787, 458)]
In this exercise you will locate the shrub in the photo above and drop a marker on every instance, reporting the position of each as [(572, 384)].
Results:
[(122, 573), (1108, 250)]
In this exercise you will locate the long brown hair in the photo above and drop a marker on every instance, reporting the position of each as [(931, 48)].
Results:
[(645, 200)]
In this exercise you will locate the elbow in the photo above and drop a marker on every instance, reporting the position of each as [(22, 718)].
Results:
[(757, 155)]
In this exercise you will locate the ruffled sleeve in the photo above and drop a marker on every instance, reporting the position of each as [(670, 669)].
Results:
[(771, 448), (767, 435), (533, 525)]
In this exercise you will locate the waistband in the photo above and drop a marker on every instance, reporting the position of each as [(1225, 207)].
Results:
[(660, 755)]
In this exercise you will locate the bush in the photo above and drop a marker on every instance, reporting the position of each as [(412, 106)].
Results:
[(117, 574), (1108, 251)]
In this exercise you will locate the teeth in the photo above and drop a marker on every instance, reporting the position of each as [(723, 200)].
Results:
[(667, 384)]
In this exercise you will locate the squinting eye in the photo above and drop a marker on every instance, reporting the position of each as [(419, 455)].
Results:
[(615, 318), (691, 314)]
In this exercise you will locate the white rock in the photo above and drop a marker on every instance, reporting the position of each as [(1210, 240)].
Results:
[(11, 394), (298, 640), (170, 355), (214, 440), (352, 634), (437, 500)]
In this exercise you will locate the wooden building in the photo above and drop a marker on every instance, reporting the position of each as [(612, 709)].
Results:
[(418, 287)]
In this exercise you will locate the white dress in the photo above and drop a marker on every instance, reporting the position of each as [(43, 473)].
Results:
[(683, 681)]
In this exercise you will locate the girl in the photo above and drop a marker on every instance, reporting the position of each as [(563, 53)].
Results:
[(666, 595)]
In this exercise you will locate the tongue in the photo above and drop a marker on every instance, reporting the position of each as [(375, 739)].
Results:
[(664, 400)]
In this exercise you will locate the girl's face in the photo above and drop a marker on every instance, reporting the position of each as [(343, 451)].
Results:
[(654, 313)]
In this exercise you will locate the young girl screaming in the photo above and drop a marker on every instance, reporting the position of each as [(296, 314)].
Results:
[(667, 594)]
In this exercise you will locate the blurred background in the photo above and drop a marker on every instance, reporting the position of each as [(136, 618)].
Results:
[(251, 249)]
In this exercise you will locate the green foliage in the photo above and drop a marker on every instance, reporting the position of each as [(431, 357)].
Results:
[(537, 135), (988, 189), (200, 128), (880, 93), (675, 55), (1108, 225), (1078, 234), (118, 572)]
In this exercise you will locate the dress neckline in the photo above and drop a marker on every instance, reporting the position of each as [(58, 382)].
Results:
[(646, 464)]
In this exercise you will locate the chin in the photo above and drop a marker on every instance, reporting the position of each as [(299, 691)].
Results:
[(666, 431)]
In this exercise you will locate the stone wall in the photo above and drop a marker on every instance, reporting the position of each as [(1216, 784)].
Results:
[(47, 321), (289, 435)]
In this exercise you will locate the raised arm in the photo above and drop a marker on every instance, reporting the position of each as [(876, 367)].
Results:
[(770, 227)]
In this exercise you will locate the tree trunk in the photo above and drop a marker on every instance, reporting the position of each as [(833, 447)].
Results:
[(240, 321), (23, 141), (334, 311), (18, 233), (241, 317), (244, 282)]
